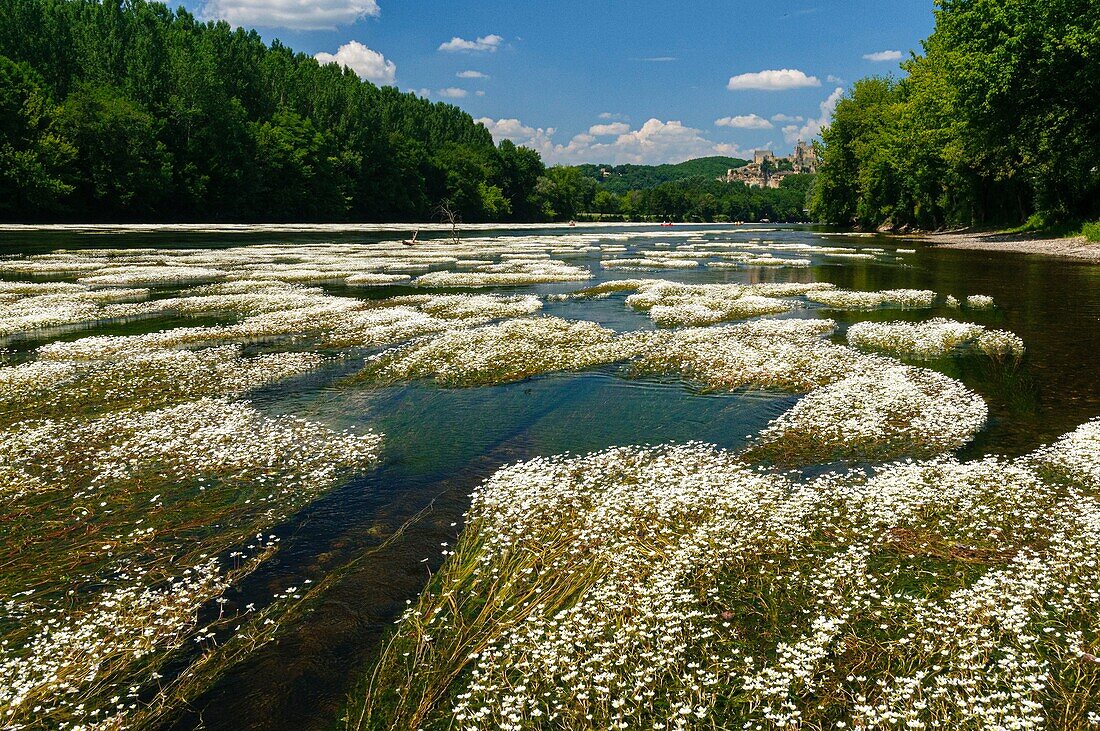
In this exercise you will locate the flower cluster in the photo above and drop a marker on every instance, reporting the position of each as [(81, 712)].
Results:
[(933, 338), (116, 519), (678, 588), (841, 299), (874, 415), (510, 351)]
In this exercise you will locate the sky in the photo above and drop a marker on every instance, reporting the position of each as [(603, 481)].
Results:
[(609, 81)]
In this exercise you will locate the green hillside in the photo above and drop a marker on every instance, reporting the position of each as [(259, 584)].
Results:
[(622, 178)]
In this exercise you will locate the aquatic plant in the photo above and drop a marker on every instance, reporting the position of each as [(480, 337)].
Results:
[(119, 528), (874, 416), (38, 389), (670, 304), (933, 338), (853, 300), (506, 274), (677, 587), (510, 351)]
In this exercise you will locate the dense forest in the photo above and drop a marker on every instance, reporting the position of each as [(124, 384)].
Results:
[(996, 124), (134, 111), (623, 178), (701, 198), (131, 111)]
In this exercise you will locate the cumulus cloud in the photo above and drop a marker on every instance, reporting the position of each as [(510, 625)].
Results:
[(744, 121), (370, 65), (784, 118), (613, 129), (655, 141), (812, 128), (484, 44), (296, 14), (834, 79), (453, 92), (471, 75), (424, 93), (883, 56), (772, 80), (609, 115), (537, 138)]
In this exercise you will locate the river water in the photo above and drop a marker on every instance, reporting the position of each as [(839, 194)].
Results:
[(440, 443)]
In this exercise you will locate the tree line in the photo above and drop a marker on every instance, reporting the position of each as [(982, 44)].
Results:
[(133, 111), (995, 124), (128, 110), (624, 178), (575, 192)]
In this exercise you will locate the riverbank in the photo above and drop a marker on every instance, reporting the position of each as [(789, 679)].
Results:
[(1077, 247)]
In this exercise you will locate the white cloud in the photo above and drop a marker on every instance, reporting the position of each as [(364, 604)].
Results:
[(606, 130), (296, 14), (744, 121), (453, 92), (781, 118), (424, 93), (484, 44), (654, 142), (773, 80), (883, 56), (480, 92), (370, 65), (834, 79), (610, 115), (471, 75), (812, 128), (536, 138)]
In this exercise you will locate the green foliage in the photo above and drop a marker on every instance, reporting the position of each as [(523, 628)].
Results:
[(995, 122), (121, 167), (623, 178), (32, 155), (1091, 231), (570, 193), (566, 192), (131, 110)]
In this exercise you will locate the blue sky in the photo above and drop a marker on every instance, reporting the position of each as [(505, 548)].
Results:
[(609, 81)]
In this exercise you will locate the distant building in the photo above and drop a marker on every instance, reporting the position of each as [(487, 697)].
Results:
[(802, 160), (759, 156)]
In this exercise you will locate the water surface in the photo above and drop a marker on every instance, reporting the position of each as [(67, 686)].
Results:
[(440, 443)]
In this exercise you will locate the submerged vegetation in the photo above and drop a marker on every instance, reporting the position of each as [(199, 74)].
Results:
[(678, 586)]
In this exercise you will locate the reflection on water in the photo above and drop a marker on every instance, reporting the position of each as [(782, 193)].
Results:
[(440, 443)]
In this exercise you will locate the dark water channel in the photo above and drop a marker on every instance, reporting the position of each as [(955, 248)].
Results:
[(439, 443)]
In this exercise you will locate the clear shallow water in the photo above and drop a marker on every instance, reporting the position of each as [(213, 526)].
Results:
[(440, 442)]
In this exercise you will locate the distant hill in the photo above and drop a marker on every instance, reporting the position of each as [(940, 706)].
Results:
[(621, 178)]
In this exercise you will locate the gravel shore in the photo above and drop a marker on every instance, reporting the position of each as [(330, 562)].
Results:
[(1078, 248)]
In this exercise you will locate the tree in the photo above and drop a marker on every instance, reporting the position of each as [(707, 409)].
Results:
[(33, 154), (178, 118), (123, 169), (296, 168), (565, 192)]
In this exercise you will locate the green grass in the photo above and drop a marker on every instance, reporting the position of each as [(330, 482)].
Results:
[(1038, 225), (1091, 231)]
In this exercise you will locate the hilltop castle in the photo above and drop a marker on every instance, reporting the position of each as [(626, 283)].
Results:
[(767, 171)]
